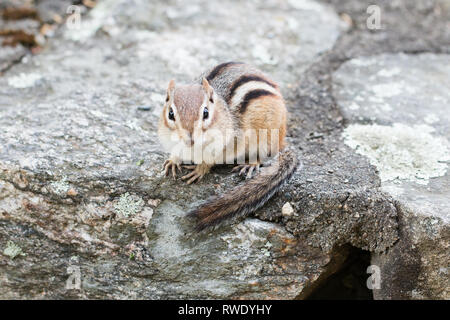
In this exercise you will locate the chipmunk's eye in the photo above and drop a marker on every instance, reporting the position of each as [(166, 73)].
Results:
[(205, 113), (171, 115)]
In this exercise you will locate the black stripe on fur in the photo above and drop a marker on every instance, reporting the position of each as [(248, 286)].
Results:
[(219, 68), (251, 95), (244, 79)]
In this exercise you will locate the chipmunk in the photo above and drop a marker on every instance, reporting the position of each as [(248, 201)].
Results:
[(218, 118)]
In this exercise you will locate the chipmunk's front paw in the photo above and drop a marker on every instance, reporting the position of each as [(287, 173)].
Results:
[(171, 165), (246, 169), (197, 174)]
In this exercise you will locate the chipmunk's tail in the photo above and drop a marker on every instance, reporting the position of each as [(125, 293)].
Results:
[(249, 196)]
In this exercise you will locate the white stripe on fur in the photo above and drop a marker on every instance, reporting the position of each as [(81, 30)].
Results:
[(250, 86)]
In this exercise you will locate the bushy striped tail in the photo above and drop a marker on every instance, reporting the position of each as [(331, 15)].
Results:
[(249, 196)]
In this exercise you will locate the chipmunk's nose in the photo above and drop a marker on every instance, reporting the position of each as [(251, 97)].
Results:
[(190, 141)]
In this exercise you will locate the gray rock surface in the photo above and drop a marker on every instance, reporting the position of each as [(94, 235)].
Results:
[(81, 187), (26, 25), (73, 137), (398, 107)]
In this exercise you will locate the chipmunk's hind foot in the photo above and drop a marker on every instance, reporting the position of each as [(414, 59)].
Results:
[(197, 173), (247, 169)]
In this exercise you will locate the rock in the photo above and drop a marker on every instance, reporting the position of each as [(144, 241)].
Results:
[(406, 101), (71, 122), (19, 26), (68, 158), (50, 10), (26, 25), (287, 209)]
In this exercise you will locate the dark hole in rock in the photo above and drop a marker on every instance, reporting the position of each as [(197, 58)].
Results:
[(349, 281)]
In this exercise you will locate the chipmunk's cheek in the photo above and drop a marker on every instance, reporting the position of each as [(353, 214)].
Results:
[(183, 138), (215, 135), (173, 136)]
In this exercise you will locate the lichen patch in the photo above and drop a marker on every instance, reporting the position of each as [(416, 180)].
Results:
[(12, 250), (400, 152), (128, 205), (24, 80), (60, 187)]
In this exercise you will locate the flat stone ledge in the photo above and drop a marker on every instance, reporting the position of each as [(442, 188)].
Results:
[(398, 108)]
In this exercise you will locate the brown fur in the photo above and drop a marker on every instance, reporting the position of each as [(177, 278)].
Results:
[(268, 112), (188, 100)]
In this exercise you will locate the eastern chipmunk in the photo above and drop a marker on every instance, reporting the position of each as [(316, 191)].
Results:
[(234, 113)]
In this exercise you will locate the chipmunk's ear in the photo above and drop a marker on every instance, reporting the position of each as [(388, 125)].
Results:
[(208, 89), (170, 90)]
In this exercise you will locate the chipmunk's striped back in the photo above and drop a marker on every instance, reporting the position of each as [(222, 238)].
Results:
[(240, 84)]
